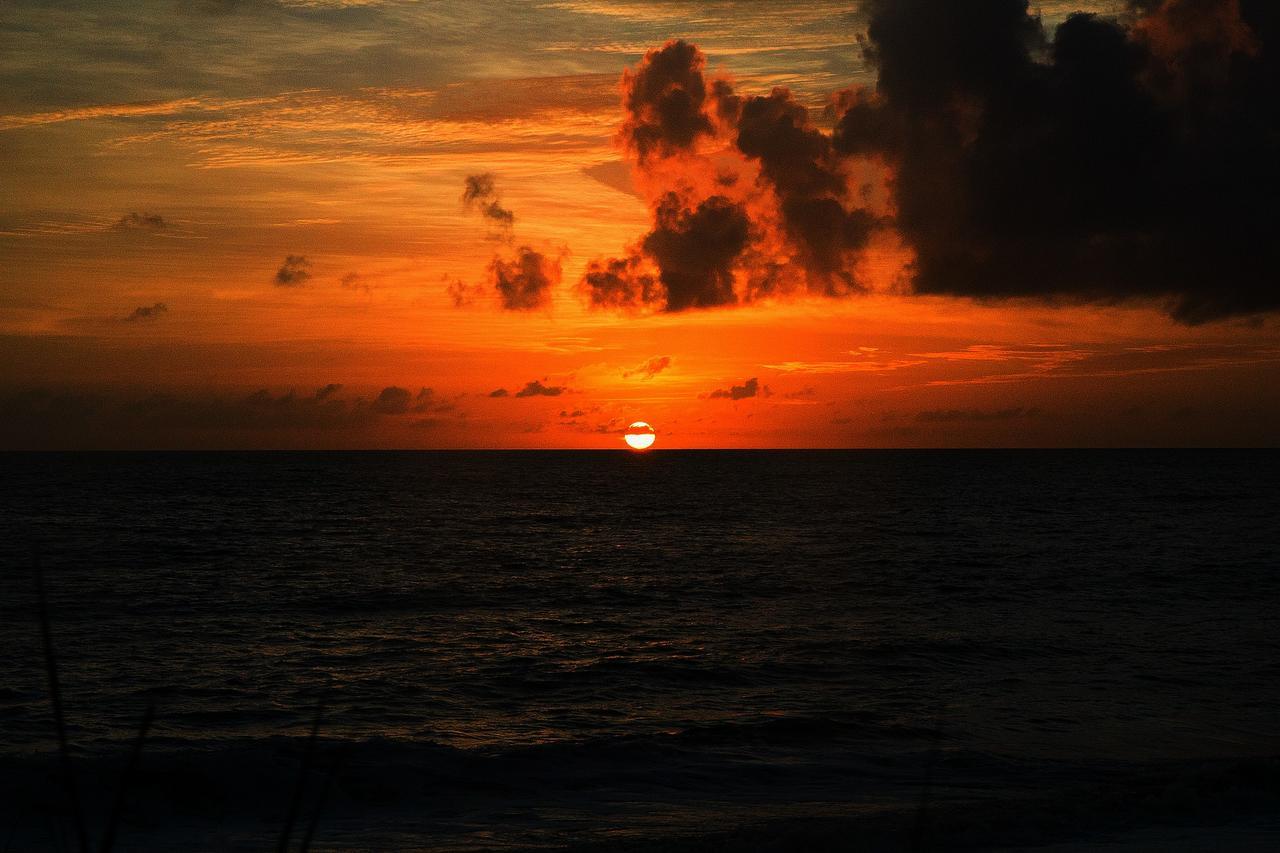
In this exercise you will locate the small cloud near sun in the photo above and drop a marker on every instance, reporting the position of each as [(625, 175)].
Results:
[(294, 272), (537, 389), (750, 388)]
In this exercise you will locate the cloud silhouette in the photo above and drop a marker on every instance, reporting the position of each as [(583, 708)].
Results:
[(140, 222), (53, 416), (294, 272), (524, 283), (622, 283), (480, 192), (750, 388), (537, 389), (148, 312), (1132, 160), (393, 400), (354, 281), (716, 236), (665, 99), (1106, 160)]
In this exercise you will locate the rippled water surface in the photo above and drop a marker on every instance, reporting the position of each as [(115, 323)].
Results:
[(525, 649)]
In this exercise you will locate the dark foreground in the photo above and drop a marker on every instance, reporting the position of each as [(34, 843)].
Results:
[(673, 651)]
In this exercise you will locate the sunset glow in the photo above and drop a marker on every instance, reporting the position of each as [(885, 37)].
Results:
[(763, 426), (500, 235)]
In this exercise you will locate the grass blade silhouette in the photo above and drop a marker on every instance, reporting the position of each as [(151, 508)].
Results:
[(319, 809), (109, 835), (920, 830), (296, 805), (55, 696)]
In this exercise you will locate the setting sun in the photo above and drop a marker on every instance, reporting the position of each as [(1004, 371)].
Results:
[(640, 436)]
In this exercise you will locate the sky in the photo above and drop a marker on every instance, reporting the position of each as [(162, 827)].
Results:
[(380, 224)]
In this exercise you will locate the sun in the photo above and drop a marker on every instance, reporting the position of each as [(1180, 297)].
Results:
[(640, 436)]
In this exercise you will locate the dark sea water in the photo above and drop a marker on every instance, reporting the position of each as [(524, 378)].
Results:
[(668, 651)]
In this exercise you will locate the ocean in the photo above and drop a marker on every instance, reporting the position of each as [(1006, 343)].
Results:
[(721, 650)]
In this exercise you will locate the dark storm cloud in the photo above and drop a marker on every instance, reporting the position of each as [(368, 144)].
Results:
[(294, 272), (805, 173), (750, 388), (480, 192), (620, 283), (524, 283), (537, 389), (696, 249), (665, 100), (1105, 160), (1112, 161), (147, 312), (687, 259), (140, 222), (704, 231)]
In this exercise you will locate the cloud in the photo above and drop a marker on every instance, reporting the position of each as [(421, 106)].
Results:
[(798, 162), (695, 249), (939, 416), (665, 99), (537, 389), (463, 294), (393, 400), (521, 283), (499, 392), (140, 222), (1103, 161), (524, 283), (60, 417), (480, 193), (148, 312), (1114, 160), (750, 388), (768, 213), (294, 272), (649, 368), (427, 401), (354, 281), (621, 283)]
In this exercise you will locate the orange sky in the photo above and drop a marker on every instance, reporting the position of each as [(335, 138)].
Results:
[(159, 157)]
